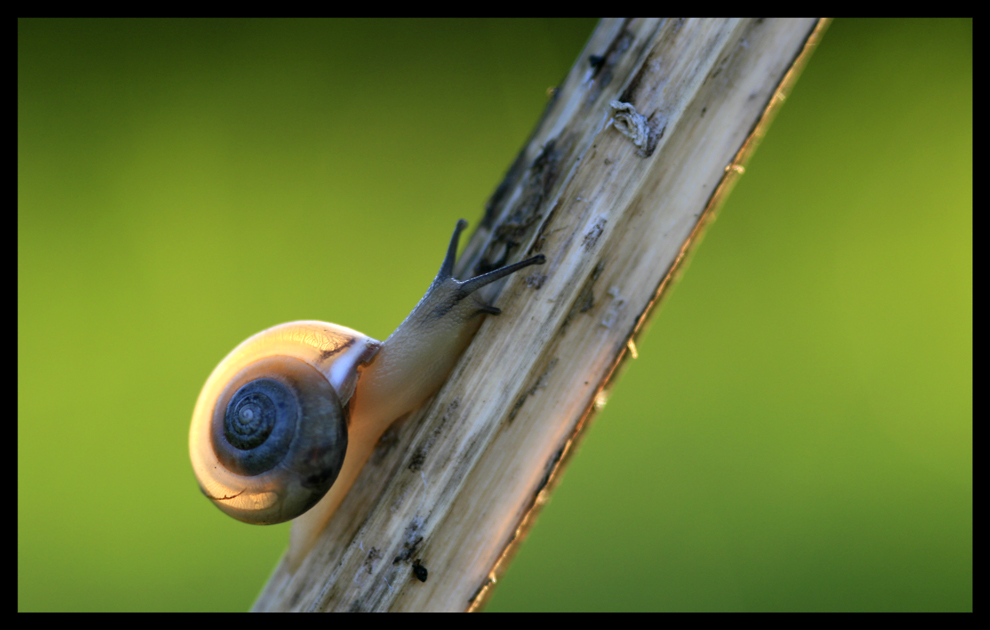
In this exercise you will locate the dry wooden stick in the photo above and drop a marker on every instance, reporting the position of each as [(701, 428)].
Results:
[(629, 162)]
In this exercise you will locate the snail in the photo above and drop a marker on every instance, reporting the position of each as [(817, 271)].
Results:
[(287, 420)]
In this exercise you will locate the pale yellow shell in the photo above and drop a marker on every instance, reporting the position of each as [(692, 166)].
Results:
[(275, 495)]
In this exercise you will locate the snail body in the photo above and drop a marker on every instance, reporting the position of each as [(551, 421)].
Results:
[(287, 420)]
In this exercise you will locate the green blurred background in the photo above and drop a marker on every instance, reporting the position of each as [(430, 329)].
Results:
[(795, 435)]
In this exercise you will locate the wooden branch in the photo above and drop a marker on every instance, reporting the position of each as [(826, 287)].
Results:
[(629, 162)]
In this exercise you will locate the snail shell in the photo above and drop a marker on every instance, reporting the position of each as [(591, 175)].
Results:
[(269, 431)]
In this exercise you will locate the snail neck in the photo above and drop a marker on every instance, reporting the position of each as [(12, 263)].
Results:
[(416, 359)]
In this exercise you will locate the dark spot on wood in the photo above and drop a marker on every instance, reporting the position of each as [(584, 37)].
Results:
[(417, 461), (516, 407), (591, 237), (420, 571), (479, 590), (493, 208), (585, 299), (603, 74), (411, 541), (539, 384), (422, 449), (655, 131), (511, 231), (550, 467), (408, 549), (369, 561), (586, 303), (536, 280)]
